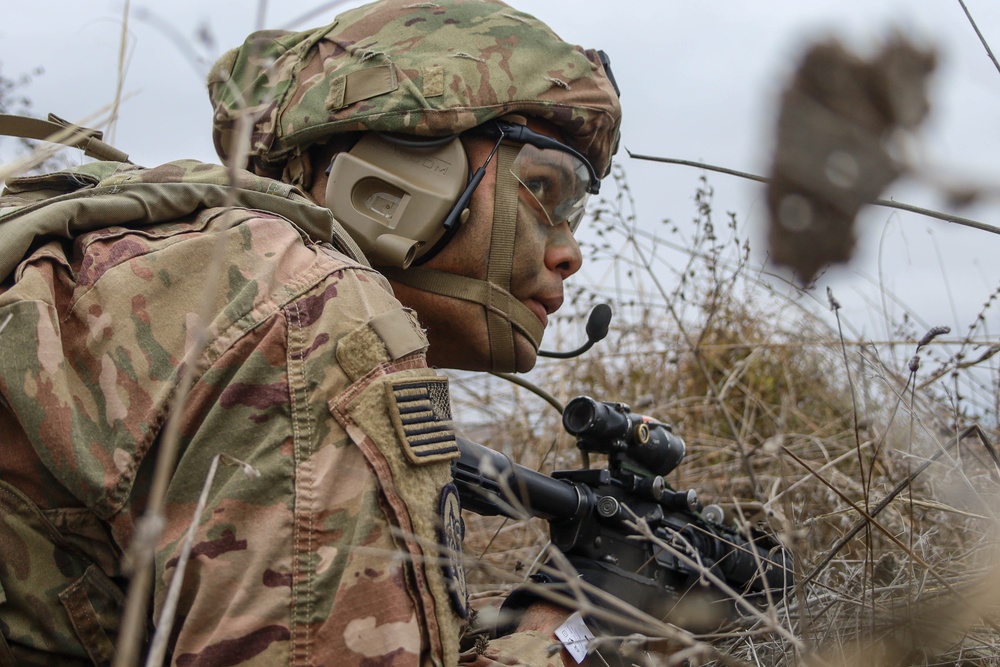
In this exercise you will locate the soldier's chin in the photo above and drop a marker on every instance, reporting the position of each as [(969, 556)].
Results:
[(525, 354)]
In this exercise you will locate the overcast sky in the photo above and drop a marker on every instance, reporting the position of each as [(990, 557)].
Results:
[(699, 81)]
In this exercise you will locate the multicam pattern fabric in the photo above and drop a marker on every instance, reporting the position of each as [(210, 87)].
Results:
[(425, 68), (327, 557)]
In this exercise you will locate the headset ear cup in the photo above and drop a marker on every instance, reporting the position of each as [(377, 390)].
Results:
[(393, 198)]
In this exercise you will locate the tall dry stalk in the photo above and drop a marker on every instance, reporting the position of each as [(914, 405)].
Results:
[(863, 467)]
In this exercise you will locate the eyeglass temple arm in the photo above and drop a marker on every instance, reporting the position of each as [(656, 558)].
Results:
[(523, 134)]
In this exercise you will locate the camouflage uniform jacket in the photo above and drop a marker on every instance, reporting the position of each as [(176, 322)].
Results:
[(309, 371)]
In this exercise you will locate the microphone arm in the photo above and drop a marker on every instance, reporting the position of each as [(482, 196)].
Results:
[(597, 329)]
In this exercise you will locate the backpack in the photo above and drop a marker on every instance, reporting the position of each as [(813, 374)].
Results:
[(116, 192), (64, 205)]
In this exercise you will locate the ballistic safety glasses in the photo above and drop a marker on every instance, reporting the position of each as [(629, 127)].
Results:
[(557, 178)]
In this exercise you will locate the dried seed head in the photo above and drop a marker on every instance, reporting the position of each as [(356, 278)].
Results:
[(834, 304), (932, 334)]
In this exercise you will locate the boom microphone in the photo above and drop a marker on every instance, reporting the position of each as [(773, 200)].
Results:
[(597, 329)]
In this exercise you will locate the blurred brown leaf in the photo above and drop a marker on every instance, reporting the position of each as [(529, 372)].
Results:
[(837, 117)]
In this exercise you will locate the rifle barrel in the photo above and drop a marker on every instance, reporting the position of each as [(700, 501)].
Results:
[(489, 483)]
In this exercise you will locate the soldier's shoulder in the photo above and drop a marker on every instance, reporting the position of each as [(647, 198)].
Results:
[(87, 196)]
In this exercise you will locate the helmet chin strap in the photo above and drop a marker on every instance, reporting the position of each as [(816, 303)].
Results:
[(504, 314), (501, 261)]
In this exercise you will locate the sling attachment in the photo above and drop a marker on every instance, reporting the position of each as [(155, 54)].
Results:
[(59, 131)]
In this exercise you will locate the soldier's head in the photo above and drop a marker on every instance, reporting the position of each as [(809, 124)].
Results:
[(456, 141)]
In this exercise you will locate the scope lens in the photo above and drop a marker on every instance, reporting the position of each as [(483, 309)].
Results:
[(579, 415)]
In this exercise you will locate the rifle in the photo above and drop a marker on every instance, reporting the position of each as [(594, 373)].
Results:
[(592, 515)]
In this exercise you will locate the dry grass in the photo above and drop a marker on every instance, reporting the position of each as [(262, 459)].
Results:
[(785, 417), (791, 421)]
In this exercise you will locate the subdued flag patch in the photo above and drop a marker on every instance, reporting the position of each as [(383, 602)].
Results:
[(421, 413)]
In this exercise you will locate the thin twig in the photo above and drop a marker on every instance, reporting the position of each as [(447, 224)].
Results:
[(869, 519), (888, 203), (842, 542), (158, 647), (309, 17), (866, 482), (982, 39), (707, 573), (120, 80), (694, 346), (153, 518)]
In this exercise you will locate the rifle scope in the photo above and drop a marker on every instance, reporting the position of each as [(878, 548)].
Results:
[(612, 428), (490, 484)]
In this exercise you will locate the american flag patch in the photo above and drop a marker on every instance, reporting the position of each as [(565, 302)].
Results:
[(422, 416)]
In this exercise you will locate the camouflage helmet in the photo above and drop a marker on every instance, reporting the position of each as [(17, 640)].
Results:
[(422, 68)]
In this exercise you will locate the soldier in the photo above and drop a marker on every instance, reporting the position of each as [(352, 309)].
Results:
[(455, 144)]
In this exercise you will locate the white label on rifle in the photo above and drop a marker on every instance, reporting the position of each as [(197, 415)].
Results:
[(575, 636)]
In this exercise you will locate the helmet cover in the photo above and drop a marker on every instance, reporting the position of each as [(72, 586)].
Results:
[(421, 68)]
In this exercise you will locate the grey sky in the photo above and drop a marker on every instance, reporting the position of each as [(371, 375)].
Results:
[(699, 81)]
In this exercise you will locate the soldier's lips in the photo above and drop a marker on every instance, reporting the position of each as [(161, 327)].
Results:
[(543, 306), (539, 311)]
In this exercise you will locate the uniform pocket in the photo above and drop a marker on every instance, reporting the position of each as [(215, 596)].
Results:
[(58, 606), (94, 604)]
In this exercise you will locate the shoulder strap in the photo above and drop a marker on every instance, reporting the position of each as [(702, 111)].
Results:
[(59, 131), (136, 197)]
